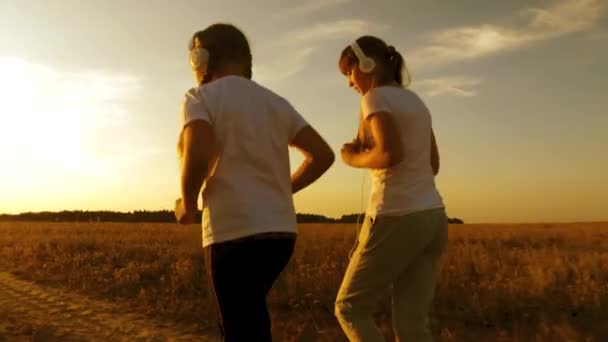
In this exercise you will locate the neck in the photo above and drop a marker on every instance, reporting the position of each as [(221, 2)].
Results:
[(392, 83), (217, 77), (229, 70)]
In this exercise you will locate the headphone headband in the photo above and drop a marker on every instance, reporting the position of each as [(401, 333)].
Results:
[(357, 50), (366, 64)]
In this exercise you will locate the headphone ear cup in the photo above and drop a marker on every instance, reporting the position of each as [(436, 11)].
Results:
[(199, 59), (367, 64)]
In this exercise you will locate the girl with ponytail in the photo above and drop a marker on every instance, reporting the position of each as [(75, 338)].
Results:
[(404, 231)]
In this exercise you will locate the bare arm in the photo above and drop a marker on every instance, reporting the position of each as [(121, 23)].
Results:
[(434, 154), (361, 142), (197, 144), (387, 149), (318, 157)]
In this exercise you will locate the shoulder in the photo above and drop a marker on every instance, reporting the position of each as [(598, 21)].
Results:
[(414, 102), (411, 95), (389, 92), (230, 82), (375, 100), (191, 97), (192, 93), (193, 108), (270, 96), (372, 94), (383, 95), (400, 99), (227, 86)]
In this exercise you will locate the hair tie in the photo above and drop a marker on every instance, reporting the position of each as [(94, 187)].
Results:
[(391, 52)]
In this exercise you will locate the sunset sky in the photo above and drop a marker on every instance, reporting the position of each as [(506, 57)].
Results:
[(518, 91)]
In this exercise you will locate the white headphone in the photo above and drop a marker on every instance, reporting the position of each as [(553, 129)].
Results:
[(366, 64), (199, 57)]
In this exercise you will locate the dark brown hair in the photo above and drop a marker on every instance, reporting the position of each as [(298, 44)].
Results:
[(226, 44), (386, 56)]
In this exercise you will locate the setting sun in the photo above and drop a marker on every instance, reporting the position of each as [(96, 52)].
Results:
[(39, 121), (49, 120)]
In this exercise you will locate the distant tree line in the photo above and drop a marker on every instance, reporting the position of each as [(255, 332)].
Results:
[(155, 216)]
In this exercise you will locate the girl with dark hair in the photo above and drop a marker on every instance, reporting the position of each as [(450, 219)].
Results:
[(234, 147), (404, 232)]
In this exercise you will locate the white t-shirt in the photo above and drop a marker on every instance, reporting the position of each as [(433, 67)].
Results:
[(410, 185), (248, 189)]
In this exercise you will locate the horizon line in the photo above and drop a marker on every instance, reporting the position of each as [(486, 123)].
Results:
[(328, 217)]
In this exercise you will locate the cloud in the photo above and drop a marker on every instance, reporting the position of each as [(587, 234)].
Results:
[(566, 16), (335, 30), (56, 121), (296, 47), (462, 86), (290, 64), (539, 24), (311, 6)]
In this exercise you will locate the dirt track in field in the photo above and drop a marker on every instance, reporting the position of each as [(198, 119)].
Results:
[(29, 312)]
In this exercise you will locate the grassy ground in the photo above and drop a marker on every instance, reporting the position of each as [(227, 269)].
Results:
[(527, 282)]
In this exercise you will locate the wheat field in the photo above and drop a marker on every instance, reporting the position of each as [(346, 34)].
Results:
[(498, 282)]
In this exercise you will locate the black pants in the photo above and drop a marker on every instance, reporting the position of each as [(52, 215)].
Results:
[(241, 273)]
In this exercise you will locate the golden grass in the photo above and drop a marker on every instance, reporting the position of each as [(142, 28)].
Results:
[(527, 282)]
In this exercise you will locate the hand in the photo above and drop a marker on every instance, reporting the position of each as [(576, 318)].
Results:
[(182, 216), (349, 150), (354, 146)]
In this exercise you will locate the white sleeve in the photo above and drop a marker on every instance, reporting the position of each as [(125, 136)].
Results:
[(295, 121), (373, 102), (193, 108)]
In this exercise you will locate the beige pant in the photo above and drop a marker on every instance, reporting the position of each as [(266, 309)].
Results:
[(402, 251)]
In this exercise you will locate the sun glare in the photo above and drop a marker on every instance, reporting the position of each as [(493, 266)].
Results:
[(47, 116), (35, 122)]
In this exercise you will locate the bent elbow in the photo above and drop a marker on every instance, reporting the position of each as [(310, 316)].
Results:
[(327, 158), (435, 168), (322, 159), (435, 165)]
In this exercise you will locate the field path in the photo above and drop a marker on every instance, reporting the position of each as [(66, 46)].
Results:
[(70, 317)]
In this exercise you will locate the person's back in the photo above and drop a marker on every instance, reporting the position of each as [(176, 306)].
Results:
[(234, 145), (248, 190)]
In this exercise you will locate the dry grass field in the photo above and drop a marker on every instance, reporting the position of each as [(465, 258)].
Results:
[(525, 282)]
